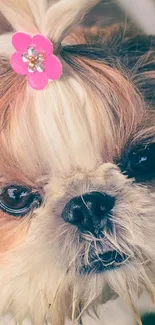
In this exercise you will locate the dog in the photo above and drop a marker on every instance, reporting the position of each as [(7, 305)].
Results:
[(77, 169)]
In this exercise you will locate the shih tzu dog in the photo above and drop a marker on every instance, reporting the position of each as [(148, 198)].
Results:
[(77, 163)]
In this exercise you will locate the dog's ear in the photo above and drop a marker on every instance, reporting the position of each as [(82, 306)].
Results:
[(130, 52), (137, 54), (134, 54)]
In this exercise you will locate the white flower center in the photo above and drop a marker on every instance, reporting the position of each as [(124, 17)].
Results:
[(34, 59)]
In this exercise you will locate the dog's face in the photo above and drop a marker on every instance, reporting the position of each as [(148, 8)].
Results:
[(77, 168)]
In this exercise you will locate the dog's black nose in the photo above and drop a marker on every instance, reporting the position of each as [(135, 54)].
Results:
[(89, 212)]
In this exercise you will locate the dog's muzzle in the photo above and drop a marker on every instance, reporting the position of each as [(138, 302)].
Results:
[(92, 213)]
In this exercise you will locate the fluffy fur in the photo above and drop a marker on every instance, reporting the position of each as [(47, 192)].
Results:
[(64, 141)]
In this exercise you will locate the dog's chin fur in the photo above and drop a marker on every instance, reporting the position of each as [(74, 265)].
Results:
[(67, 140)]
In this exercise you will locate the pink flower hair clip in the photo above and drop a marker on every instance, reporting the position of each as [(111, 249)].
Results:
[(34, 58)]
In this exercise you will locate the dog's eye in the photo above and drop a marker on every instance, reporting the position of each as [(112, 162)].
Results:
[(18, 200), (141, 162)]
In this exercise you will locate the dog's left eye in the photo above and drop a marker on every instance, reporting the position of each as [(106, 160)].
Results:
[(141, 162), (18, 200)]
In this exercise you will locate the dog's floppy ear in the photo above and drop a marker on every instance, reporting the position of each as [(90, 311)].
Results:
[(137, 54), (131, 52)]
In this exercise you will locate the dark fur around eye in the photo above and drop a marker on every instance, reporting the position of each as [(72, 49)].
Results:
[(139, 162), (18, 201)]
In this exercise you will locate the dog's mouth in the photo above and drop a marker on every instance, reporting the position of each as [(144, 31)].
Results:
[(104, 262)]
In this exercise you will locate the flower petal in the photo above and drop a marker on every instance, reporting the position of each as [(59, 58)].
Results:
[(37, 80), (21, 41), (17, 64), (53, 67), (42, 44)]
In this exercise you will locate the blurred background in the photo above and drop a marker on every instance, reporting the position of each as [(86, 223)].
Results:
[(140, 13)]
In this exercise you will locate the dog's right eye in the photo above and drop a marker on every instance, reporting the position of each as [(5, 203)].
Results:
[(18, 200), (141, 162)]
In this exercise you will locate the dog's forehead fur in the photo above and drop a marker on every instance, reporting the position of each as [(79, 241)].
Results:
[(81, 121)]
